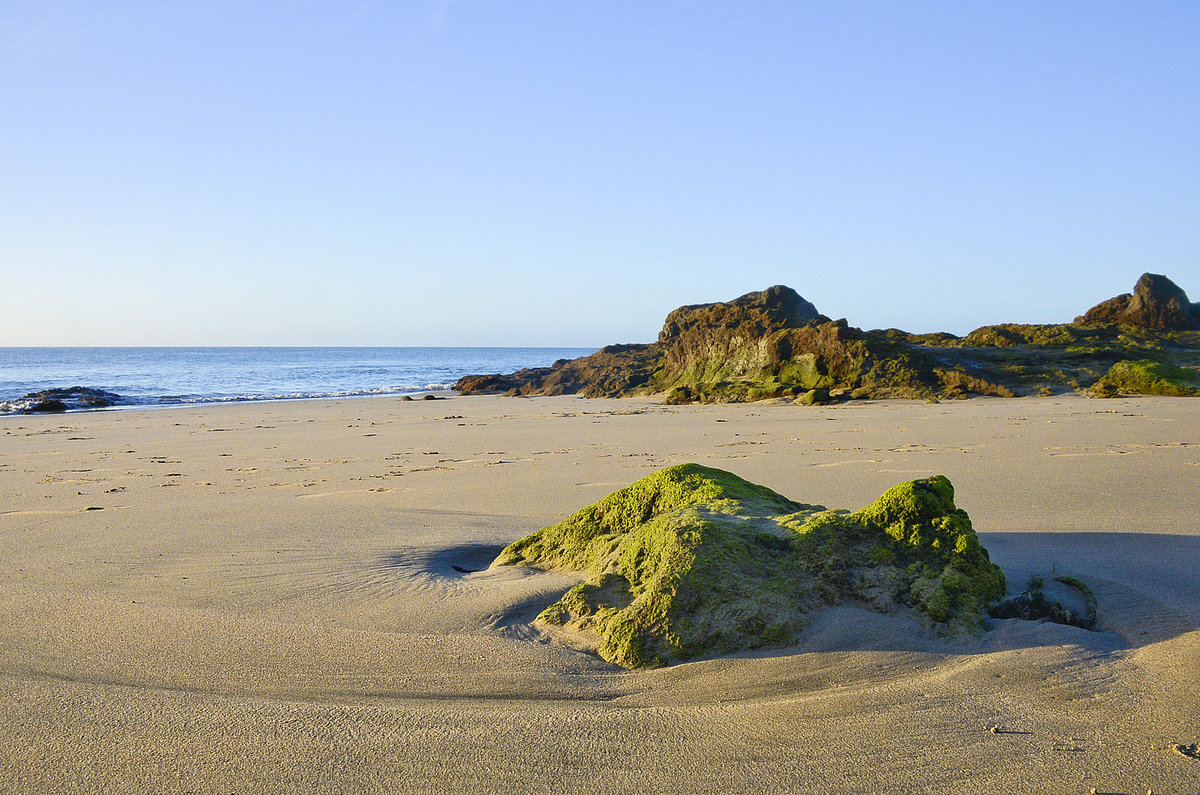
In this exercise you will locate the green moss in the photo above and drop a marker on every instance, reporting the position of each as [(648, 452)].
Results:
[(1089, 599), (693, 561), (994, 336), (588, 539), (1007, 335), (815, 397), (802, 371), (1148, 377), (912, 503), (678, 396), (953, 578), (882, 554)]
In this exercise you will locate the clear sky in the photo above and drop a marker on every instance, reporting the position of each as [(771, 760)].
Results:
[(566, 173)]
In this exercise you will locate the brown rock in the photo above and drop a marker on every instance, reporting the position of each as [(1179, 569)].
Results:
[(1156, 303), (765, 344), (610, 372), (753, 315)]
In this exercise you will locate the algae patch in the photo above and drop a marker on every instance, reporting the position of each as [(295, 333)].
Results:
[(1148, 377), (692, 561)]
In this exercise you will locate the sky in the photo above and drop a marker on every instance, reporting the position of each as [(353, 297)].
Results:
[(437, 172)]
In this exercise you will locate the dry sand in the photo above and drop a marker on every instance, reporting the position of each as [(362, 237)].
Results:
[(268, 598)]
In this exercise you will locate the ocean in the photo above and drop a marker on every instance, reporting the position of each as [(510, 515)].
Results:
[(186, 376)]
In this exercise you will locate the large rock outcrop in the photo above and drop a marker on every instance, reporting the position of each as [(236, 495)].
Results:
[(742, 350), (1155, 303), (707, 329), (692, 561), (766, 344), (775, 344)]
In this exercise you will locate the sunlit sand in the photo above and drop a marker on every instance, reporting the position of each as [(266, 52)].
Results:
[(294, 597)]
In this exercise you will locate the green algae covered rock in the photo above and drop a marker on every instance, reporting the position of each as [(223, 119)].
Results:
[(774, 344), (692, 561), (1148, 377)]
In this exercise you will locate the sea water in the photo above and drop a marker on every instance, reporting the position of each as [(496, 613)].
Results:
[(181, 376)]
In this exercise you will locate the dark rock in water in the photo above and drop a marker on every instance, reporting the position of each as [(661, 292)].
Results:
[(1156, 303), (52, 401), (692, 561), (47, 406)]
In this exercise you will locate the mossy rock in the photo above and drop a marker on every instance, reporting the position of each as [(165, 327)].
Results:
[(693, 562), (1147, 377), (815, 397), (679, 396), (774, 344)]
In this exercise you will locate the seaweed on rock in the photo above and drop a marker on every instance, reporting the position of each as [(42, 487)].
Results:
[(1147, 377), (774, 344), (692, 561)]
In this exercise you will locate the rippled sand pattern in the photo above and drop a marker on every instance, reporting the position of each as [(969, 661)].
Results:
[(294, 597)]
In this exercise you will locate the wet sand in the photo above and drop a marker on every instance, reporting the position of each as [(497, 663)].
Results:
[(286, 597)]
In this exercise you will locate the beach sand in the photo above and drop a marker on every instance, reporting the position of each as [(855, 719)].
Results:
[(283, 597)]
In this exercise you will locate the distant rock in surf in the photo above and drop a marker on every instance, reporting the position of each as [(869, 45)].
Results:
[(56, 401)]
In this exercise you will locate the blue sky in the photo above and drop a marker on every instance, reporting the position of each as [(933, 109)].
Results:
[(549, 173)]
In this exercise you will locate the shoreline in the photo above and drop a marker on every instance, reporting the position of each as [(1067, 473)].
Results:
[(446, 394), (442, 394), (233, 595), (86, 378)]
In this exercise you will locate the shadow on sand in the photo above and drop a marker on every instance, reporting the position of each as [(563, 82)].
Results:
[(1147, 586), (446, 562)]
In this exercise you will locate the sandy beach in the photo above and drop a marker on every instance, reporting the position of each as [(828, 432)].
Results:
[(293, 597)]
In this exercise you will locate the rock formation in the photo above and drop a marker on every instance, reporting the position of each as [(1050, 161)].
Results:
[(775, 344), (692, 561), (762, 345), (1147, 377), (610, 372), (1156, 303), (694, 330), (54, 401)]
